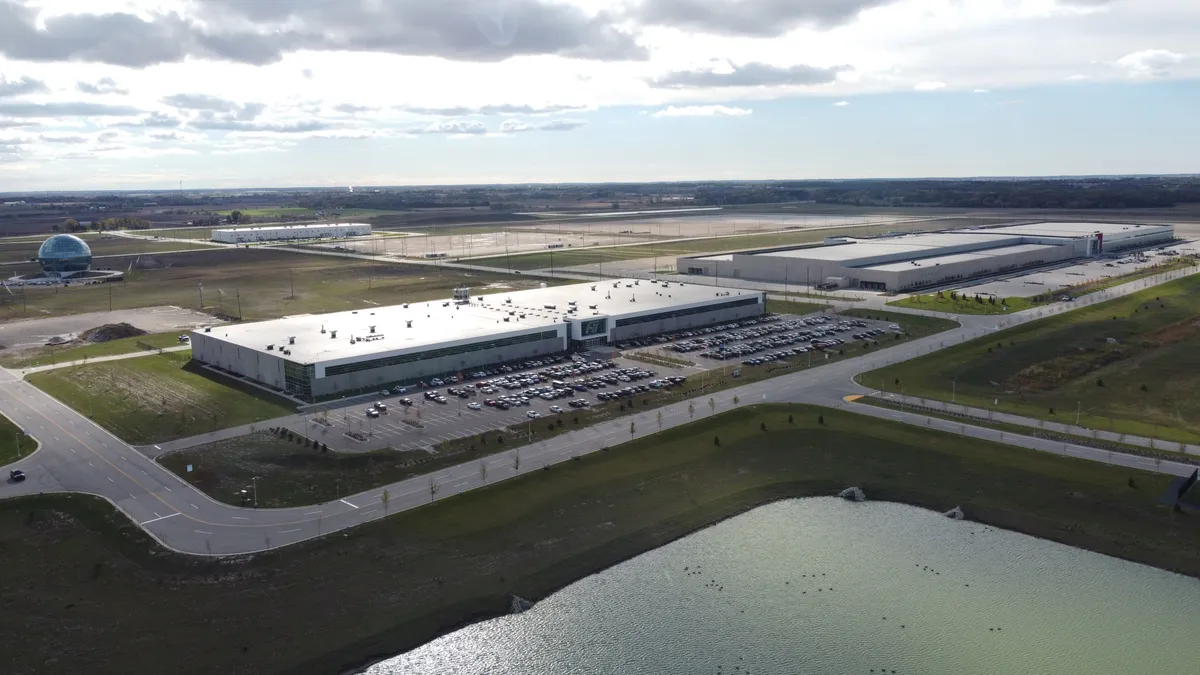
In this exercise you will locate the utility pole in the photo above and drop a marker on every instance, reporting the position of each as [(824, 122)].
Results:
[(291, 285), (110, 298), (254, 482), (239, 299), (1077, 411), (200, 287)]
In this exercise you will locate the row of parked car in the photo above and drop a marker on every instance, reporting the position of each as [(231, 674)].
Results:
[(664, 383), (697, 332)]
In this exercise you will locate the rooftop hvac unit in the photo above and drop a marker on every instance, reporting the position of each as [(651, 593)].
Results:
[(332, 334), (208, 329), (406, 305), (408, 324), (270, 348), (506, 319), (322, 330), (292, 340), (372, 328)]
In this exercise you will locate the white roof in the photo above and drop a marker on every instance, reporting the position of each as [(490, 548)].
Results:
[(917, 245), (442, 322), (1055, 229), (958, 257), (305, 226)]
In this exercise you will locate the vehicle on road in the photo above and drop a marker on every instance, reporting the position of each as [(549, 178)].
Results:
[(400, 390), (16, 475), (475, 405), (385, 392), (184, 339)]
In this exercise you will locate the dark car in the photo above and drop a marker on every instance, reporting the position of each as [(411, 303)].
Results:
[(16, 475)]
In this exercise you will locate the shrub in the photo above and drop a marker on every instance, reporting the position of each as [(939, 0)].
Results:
[(763, 426), (1145, 388), (717, 441), (790, 420), (1099, 382), (821, 419)]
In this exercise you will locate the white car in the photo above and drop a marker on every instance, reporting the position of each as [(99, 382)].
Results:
[(475, 405), (556, 409), (533, 414)]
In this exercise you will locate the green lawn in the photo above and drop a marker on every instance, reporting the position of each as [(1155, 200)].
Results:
[(50, 355), (14, 444), (791, 307), (159, 398), (1143, 383), (25, 249), (383, 588), (255, 283), (962, 304)]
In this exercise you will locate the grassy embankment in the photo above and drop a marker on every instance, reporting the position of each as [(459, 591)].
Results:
[(42, 356), (260, 283), (1142, 384), (963, 304), (1162, 450), (159, 398), (394, 584), (14, 444), (295, 474)]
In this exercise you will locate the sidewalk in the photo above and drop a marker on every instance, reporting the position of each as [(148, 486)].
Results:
[(1042, 425), (98, 359)]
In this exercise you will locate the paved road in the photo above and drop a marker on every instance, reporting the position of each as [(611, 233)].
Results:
[(77, 455)]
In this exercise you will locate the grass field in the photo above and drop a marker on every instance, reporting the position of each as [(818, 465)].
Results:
[(267, 283), (14, 444), (962, 304), (382, 588), (51, 355), (591, 256), (158, 398), (915, 325), (1141, 384), (25, 249)]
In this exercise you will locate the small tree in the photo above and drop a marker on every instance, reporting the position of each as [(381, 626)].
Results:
[(659, 420), (763, 426), (483, 471), (790, 420), (517, 462), (736, 400), (821, 419), (712, 404), (691, 410), (632, 429), (717, 441), (383, 499), (434, 488)]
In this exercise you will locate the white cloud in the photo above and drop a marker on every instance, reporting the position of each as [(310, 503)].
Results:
[(1150, 62), (702, 111), (841, 104), (929, 86), (981, 91)]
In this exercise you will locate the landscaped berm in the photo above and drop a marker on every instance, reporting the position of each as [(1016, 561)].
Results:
[(70, 564), (1130, 365)]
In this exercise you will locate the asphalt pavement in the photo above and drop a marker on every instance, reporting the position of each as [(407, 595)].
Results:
[(76, 455)]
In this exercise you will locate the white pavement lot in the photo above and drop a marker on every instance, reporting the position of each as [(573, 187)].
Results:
[(76, 455)]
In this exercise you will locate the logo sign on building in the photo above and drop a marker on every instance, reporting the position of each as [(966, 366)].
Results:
[(593, 327)]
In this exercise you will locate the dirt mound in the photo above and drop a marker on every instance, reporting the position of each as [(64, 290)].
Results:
[(110, 331)]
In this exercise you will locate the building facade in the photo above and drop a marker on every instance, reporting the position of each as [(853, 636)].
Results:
[(320, 356), (242, 235)]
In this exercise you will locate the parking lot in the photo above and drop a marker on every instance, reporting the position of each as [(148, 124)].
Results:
[(440, 410)]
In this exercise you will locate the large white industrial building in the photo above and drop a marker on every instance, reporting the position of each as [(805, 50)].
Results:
[(245, 235), (325, 354), (909, 262)]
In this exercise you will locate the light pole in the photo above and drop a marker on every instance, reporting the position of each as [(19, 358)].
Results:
[(254, 484), (1077, 411)]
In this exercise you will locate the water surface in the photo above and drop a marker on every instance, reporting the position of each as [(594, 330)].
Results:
[(827, 587)]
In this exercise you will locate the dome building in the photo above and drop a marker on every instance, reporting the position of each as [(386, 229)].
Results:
[(64, 256)]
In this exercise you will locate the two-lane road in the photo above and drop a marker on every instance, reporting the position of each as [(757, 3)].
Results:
[(76, 455)]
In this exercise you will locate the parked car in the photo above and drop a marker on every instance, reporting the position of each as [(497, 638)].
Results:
[(381, 406), (371, 412), (475, 405), (400, 390), (533, 414), (405, 401)]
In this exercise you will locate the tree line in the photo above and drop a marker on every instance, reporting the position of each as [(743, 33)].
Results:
[(121, 223)]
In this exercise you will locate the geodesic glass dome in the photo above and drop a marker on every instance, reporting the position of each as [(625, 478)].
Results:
[(64, 254)]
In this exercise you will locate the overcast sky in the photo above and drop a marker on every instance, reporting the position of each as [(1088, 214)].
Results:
[(128, 94)]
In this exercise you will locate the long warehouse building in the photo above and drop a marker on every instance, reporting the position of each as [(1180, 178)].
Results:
[(907, 262), (240, 235), (321, 355)]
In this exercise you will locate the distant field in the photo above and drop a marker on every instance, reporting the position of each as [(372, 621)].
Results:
[(1143, 382), (50, 355), (23, 249), (158, 398), (591, 256), (262, 280)]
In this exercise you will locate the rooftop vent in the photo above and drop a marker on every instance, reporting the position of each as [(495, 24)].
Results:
[(508, 300), (332, 334), (571, 303), (208, 329), (506, 319), (292, 340), (372, 328), (593, 306), (270, 348), (322, 330), (408, 324), (354, 312), (593, 287), (406, 305)]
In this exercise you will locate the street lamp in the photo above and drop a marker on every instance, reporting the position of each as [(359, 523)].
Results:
[(254, 483)]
